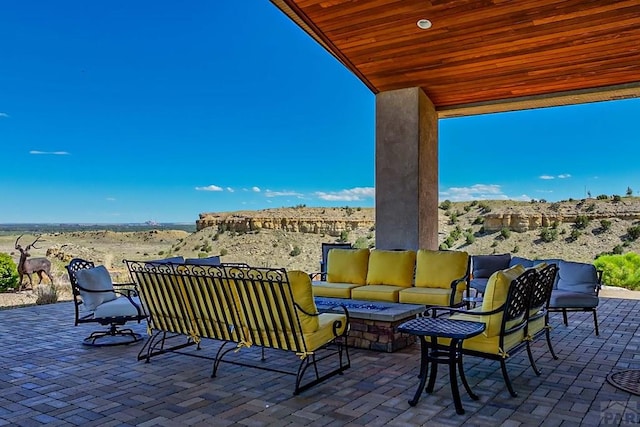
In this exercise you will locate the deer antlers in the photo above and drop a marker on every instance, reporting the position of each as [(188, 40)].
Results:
[(32, 245)]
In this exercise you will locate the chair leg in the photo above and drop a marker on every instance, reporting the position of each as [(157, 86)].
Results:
[(532, 362), (507, 381), (595, 322), (548, 336), (564, 317)]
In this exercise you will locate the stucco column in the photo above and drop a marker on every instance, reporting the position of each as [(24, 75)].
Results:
[(406, 170)]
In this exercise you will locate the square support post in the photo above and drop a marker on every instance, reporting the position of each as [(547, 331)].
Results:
[(406, 170)]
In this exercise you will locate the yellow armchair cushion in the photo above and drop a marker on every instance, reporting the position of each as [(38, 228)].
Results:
[(348, 266), (391, 268), (303, 296), (496, 295), (437, 269)]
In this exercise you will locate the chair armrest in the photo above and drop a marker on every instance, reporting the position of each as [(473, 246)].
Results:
[(435, 309), (318, 276), (126, 289)]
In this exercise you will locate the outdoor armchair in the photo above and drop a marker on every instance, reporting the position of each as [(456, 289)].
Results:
[(98, 300)]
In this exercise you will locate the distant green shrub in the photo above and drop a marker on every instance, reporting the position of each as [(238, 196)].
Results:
[(450, 241), (620, 270), (223, 252), (591, 207), (618, 250), (295, 251), (505, 233), (616, 198), (602, 197), (484, 206), (605, 224), (582, 221), (344, 236), (548, 234), (456, 233), (515, 249), (443, 246), (445, 205), (8, 273), (470, 238), (575, 233), (634, 232), (479, 220), (361, 243)]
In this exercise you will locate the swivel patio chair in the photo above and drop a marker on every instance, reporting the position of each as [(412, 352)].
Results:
[(98, 300)]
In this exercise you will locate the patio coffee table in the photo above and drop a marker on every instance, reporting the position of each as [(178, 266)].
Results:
[(373, 323), (435, 327)]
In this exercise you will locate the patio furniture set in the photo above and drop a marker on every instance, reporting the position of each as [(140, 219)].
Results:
[(241, 306)]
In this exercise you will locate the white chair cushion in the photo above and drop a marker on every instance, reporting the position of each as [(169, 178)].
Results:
[(116, 308), (95, 279)]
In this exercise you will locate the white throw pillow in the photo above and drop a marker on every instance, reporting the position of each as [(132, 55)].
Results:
[(95, 279)]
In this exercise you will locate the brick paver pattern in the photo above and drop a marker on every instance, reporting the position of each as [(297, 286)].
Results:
[(48, 377)]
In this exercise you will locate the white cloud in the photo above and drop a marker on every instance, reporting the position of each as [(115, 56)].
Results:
[(230, 190), (270, 193), (474, 192), (54, 153), (544, 191), (255, 189), (348, 195), (111, 199), (5, 115), (209, 188), (561, 176)]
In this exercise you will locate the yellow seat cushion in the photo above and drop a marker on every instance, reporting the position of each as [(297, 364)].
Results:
[(303, 296), (496, 295), (437, 269), (332, 290), (391, 268), (348, 266), (535, 325), (386, 293), (429, 296), (324, 333)]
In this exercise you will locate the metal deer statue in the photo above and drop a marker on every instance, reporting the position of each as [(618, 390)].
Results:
[(29, 266)]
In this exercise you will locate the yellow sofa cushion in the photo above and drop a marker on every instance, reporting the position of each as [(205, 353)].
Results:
[(303, 296), (348, 266), (496, 295), (388, 293), (391, 268), (429, 296), (332, 290), (437, 269)]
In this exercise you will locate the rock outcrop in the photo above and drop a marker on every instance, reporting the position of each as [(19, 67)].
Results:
[(303, 221), (520, 221)]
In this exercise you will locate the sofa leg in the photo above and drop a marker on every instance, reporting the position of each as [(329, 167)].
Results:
[(595, 322), (507, 380), (564, 317)]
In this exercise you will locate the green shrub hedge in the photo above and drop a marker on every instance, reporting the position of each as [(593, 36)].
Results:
[(8, 273), (620, 270)]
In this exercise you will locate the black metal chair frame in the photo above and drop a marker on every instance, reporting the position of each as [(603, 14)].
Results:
[(221, 319), (565, 310), (539, 302), (326, 247), (127, 290), (516, 306)]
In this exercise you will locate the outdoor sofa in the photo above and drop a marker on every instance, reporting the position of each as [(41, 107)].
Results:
[(576, 286), (424, 277), (241, 307)]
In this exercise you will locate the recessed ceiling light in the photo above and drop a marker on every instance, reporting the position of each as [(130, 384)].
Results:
[(424, 24)]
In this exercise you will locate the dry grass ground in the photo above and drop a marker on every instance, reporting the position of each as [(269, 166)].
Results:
[(293, 250)]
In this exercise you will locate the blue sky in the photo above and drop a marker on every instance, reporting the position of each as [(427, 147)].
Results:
[(131, 111)]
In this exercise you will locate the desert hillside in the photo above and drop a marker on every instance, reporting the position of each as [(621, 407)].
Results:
[(291, 237)]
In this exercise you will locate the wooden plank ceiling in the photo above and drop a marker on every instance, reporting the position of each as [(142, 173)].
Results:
[(483, 56)]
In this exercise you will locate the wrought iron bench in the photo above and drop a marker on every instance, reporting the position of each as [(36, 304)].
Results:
[(241, 307)]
